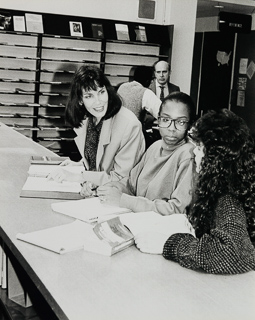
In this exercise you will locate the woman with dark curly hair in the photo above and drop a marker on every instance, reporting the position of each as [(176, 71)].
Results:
[(109, 136), (223, 214)]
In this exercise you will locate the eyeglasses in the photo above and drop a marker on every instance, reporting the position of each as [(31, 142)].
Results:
[(179, 124)]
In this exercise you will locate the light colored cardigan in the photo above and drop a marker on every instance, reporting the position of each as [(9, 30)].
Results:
[(121, 146)]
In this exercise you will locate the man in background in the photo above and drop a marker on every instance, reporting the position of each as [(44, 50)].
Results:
[(161, 85)]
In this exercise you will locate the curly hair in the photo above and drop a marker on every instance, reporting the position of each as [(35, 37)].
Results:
[(228, 167), (89, 77)]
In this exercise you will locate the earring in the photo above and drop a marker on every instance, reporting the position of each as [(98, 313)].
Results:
[(80, 103)]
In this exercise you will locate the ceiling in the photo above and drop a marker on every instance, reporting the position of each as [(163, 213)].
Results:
[(205, 8)]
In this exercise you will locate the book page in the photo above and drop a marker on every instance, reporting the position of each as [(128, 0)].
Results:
[(88, 210), (60, 239), (43, 184), (42, 170)]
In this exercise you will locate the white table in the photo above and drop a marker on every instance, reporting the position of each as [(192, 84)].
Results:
[(128, 285)]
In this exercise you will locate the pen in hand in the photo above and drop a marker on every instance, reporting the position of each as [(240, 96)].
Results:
[(94, 191), (88, 189)]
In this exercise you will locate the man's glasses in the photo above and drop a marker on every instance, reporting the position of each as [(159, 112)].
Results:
[(179, 124)]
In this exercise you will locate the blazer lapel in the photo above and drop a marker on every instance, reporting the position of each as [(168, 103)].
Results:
[(81, 138)]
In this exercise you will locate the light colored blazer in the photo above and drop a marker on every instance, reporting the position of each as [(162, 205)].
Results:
[(121, 146)]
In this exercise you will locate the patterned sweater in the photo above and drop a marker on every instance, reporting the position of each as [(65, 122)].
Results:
[(226, 250)]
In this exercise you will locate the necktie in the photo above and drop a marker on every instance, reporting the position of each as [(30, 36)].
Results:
[(161, 97)]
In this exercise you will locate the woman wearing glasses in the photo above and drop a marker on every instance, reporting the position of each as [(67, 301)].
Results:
[(162, 180)]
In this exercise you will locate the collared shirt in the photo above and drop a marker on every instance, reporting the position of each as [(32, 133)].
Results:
[(91, 144), (158, 89), (151, 103)]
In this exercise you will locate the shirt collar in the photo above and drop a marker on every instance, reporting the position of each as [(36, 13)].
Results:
[(160, 85)]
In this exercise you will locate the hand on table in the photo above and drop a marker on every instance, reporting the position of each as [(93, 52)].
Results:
[(153, 240), (88, 189), (109, 194)]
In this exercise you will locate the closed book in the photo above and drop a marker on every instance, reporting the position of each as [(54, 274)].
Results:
[(97, 30)]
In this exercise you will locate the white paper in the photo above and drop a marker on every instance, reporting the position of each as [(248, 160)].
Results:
[(60, 239), (88, 210)]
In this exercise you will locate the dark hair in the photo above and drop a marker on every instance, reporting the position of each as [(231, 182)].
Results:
[(183, 98), (89, 78), (228, 167), (143, 75)]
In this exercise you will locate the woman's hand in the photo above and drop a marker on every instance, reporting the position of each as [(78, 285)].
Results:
[(69, 162), (109, 194), (88, 189), (61, 174), (151, 242)]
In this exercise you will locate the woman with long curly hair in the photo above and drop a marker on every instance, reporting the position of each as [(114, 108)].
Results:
[(223, 214)]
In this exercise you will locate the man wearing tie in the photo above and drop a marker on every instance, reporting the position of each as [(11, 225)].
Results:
[(161, 85)]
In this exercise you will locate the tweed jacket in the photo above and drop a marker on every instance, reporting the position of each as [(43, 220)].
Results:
[(121, 146), (227, 249)]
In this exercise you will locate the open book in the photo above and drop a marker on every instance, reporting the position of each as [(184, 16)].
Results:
[(118, 233), (38, 186), (88, 210), (106, 238)]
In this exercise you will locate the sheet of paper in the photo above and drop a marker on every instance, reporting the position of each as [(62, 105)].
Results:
[(60, 239), (88, 210)]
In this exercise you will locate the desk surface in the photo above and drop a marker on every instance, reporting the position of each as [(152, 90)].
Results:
[(128, 285)]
